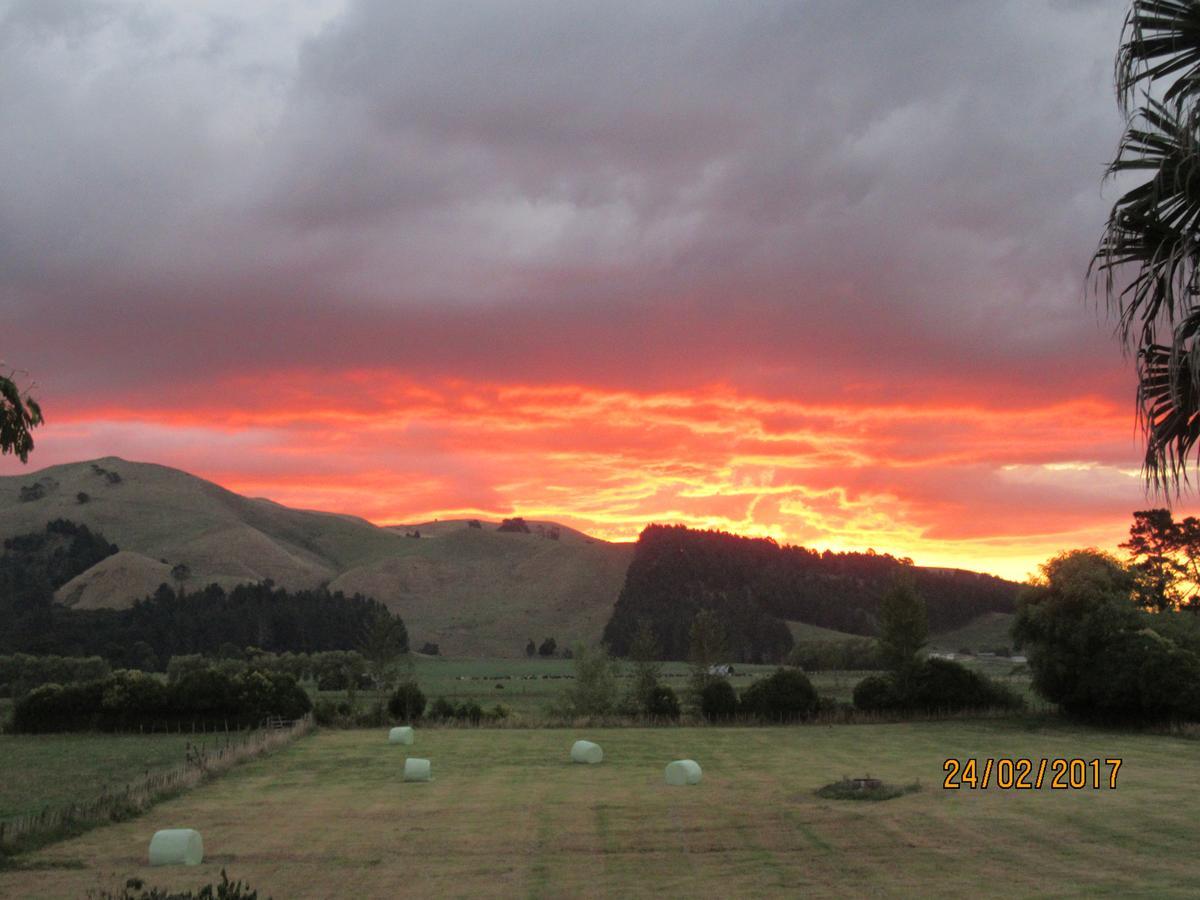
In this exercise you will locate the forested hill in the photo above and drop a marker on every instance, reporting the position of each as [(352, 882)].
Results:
[(755, 585)]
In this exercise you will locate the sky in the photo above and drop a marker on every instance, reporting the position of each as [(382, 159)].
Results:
[(810, 270)]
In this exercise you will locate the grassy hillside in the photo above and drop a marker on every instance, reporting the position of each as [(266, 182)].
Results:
[(473, 591), (508, 815), (802, 631), (985, 633), (479, 592)]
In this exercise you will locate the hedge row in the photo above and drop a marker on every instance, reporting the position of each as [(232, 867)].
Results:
[(134, 701), (934, 686)]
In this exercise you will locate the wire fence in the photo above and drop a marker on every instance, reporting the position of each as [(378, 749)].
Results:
[(201, 763)]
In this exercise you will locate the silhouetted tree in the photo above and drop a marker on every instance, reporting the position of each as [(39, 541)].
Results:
[(19, 415), (1148, 261)]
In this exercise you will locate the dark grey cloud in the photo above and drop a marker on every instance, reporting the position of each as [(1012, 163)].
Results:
[(909, 189)]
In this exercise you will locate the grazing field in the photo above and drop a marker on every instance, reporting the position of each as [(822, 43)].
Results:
[(508, 815), (530, 688), (51, 770), (984, 634)]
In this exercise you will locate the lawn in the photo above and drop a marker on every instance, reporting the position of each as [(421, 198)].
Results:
[(508, 815), (56, 769)]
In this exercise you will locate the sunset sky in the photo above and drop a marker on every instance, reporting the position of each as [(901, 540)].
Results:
[(812, 270)]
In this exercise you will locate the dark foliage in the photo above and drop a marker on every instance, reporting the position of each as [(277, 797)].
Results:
[(443, 710), (662, 703), (1093, 652), (784, 696), (514, 524), (35, 565), (165, 624), (135, 701), (754, 584), (934, 686), (407, 703), (548, 647), (718, 700), (135, 889), (23, 672)]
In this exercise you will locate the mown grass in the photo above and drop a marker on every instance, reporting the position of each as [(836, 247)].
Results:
[(507, 815)]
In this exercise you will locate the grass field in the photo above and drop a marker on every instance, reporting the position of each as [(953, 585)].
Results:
[(508, 816), (985, 633), (530, 688), (52, 770)]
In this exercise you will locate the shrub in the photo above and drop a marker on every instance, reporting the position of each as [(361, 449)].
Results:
[(662, 703), (1092, 651), (442, 709), (129, 700), (718, 700), (936, 685), (876, 693), (942, 685), (407, 703), (784, 696)]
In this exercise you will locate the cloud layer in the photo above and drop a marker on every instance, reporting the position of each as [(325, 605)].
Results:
[(809, 269)]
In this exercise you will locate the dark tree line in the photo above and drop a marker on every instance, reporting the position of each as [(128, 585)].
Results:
[(35, 565), (166, 623), (754, 585)]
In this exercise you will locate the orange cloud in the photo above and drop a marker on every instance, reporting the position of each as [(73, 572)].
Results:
[(997, 489)]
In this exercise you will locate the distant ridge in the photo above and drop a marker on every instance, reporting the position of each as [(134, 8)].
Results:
[(472, 591)]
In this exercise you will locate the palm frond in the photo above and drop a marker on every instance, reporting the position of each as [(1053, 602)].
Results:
[(1160, 38)]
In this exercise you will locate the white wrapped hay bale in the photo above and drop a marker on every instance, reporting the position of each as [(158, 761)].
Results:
[(417, 770), (176, 847), (401, 735), (683, 771), (586, 752)]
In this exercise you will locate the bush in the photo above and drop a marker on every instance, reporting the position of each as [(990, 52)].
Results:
[(441, 710), (876, 693), (718, 701), (784, 696), (129, 700), (407, 704), (662, 703), (57, 707), (1093, 652), (941, 685), (936, 685)]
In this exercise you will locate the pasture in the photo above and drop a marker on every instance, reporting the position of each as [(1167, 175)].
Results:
[(508, 815), (51, 770)]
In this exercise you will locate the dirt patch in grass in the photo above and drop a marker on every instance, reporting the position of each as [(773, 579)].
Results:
[(865, 789)]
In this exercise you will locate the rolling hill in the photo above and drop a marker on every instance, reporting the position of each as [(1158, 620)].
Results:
[(473, 591)]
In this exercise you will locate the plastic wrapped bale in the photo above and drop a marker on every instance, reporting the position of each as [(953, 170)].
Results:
[(176, 847), (401, 735), (586, 752), (683, 771), (417, 770)]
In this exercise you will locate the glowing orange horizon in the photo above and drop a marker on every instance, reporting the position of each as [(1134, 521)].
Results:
[(990, 488)]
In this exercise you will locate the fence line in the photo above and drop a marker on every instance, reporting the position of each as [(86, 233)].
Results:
[(200, 764)]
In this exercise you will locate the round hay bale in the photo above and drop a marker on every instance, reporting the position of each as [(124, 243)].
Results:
[(417, 770), (401, 735), (586, 752), (176, 847), (683, 771)]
